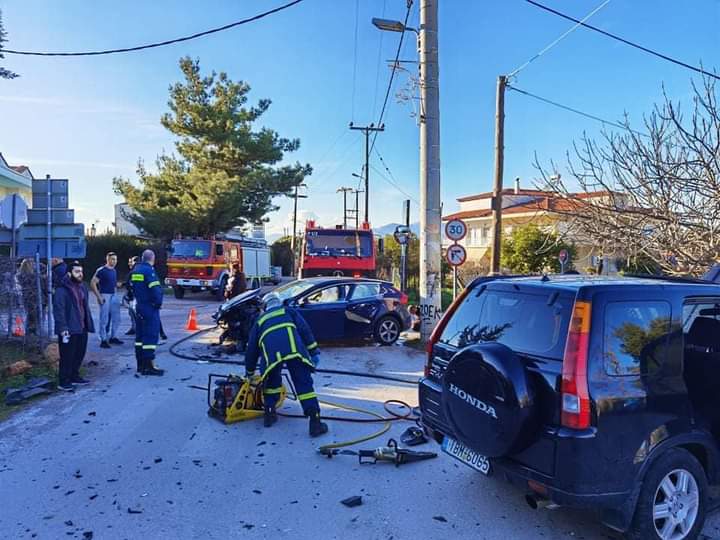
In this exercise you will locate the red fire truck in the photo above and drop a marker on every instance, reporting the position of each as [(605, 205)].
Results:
[(200, 265), (337, 252)]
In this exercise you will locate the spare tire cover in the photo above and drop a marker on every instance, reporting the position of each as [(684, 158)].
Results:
[(488, 400)]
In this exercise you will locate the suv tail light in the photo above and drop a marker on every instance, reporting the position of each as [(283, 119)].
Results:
[(575, 408), (440, 327), (403, 298)]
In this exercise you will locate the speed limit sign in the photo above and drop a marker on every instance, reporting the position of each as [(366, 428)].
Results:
[(455, 229), (455, 255)]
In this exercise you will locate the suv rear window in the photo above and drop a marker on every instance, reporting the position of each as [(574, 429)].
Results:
[(526, 322)]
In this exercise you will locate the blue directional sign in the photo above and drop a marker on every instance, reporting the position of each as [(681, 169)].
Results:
[(66, 249)]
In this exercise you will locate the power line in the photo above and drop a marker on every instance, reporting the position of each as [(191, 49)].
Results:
[(394, 69), (558, 40), (393, 184), (392, 180), (576, 111), (625, 41), (379, 62), (161, 43), (355, 47)]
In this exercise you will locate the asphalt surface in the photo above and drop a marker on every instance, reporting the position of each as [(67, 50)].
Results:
[(131, 458)]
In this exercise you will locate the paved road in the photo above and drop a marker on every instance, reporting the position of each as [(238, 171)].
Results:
[(131, 458)]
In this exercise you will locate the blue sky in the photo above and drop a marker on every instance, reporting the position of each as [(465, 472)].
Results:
[(90, 119)]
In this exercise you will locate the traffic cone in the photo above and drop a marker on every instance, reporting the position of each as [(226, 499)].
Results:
[(192, 320), (19, 330)]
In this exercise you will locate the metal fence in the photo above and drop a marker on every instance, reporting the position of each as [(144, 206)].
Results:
[(23, 306)]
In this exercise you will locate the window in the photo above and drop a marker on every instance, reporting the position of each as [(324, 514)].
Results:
[(327, 295), (636, 337), (701, 326), (484, 235), (529, 323), (218, 250), (364, 291)]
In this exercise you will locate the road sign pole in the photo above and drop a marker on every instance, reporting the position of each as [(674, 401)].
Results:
[(14, 227), (455, 279), (49, 255)]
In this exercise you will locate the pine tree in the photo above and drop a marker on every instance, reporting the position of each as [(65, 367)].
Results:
[(4, 73), (225, 173)]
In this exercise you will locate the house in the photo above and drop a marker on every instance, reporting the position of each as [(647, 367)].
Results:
[(522, 207), (15, 179)]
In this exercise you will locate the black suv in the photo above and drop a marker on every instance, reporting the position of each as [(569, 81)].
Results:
[(591, 392)]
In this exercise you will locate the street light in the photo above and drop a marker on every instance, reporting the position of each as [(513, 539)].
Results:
[(392, 26)]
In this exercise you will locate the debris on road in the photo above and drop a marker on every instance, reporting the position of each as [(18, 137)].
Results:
[(351, 502), (34, 387)]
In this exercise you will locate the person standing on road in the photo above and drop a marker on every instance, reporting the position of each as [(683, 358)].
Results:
[(129, 297), (148, 296), (236, 284), (73, 322), (104, 286), (285, 339)]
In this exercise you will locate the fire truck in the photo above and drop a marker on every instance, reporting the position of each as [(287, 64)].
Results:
[(205, 264), (337, 252)]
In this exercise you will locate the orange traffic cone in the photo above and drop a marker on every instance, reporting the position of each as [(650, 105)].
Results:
[(192, 321), (19, 330)]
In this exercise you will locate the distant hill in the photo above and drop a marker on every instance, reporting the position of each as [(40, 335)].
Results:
[(390, 228)]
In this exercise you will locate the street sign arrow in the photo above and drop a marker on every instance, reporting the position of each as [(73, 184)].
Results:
[(456, 255)]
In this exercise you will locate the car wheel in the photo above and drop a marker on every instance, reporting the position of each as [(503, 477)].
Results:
[(672, 499), (179, 292), (387, 330)]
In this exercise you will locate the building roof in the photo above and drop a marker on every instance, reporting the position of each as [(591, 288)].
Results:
[(13, 178), (22, 169), (545, 202)]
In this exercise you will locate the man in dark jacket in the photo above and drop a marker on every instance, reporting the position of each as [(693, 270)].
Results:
[(73, 322), (282, 337)]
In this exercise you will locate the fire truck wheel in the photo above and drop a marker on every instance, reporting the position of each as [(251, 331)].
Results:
[(179, 292)]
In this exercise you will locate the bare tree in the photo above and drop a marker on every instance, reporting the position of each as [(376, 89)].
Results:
[(654, 195)]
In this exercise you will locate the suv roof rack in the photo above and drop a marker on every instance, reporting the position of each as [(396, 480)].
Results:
[(676, 279)]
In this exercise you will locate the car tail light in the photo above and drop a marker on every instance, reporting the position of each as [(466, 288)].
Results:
[(440, 327), (575, 412), (403, 298), (357, 275)]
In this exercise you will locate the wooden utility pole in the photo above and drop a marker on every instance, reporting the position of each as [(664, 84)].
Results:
[(345, 191), (367, 130), (294, 235), (498, 183)]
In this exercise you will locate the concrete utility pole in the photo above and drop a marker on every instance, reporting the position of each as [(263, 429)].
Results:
[(357, 193), (345, 191), (294, 234), (430, 219), (499, 165), (367, 130)]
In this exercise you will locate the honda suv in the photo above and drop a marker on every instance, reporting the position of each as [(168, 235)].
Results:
[(592, 392)]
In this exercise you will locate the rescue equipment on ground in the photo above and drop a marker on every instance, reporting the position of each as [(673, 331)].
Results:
[(390, 453), (232, 398)]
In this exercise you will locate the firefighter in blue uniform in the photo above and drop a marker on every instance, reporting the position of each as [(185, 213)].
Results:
[(148, 295), (280, 336)]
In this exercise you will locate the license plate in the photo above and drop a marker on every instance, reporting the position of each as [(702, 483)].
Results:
[(468, 457)]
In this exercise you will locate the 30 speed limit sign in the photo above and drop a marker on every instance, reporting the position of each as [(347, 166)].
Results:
[(455, 229), (455, 255)]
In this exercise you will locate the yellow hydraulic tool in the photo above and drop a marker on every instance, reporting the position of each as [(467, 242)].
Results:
[(232, 398)]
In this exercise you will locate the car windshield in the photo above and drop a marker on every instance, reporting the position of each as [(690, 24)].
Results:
[(533, 322), (336, 243), (293, 289), (192, 249)]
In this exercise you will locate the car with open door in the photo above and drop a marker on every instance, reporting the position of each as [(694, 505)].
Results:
[(341, 309)]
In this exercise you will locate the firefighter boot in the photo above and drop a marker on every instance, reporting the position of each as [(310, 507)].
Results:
[(270, 416), (149, 368), (317, 427)]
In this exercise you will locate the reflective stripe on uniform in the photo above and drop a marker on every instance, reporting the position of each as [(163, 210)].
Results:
[(138, 343), (270, 315), (313, 345), (149, 347), (277, 390), (309, 395), (276, 327), (291, 337), (153, 284), (137, 277)]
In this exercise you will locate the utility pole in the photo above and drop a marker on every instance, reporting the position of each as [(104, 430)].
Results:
[(367, 130), (430, 219), (357, 193), (499, 165), (345, 191), (294, 235)]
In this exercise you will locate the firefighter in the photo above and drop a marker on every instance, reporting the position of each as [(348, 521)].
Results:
[(148, 295), (284, 338)]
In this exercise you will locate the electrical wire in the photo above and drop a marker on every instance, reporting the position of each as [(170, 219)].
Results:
[(392, 180), (160, 43), (355, 47), (625, 41), (558, 40), (576, 111), (393, 184), (392, 73), (379, 63)]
